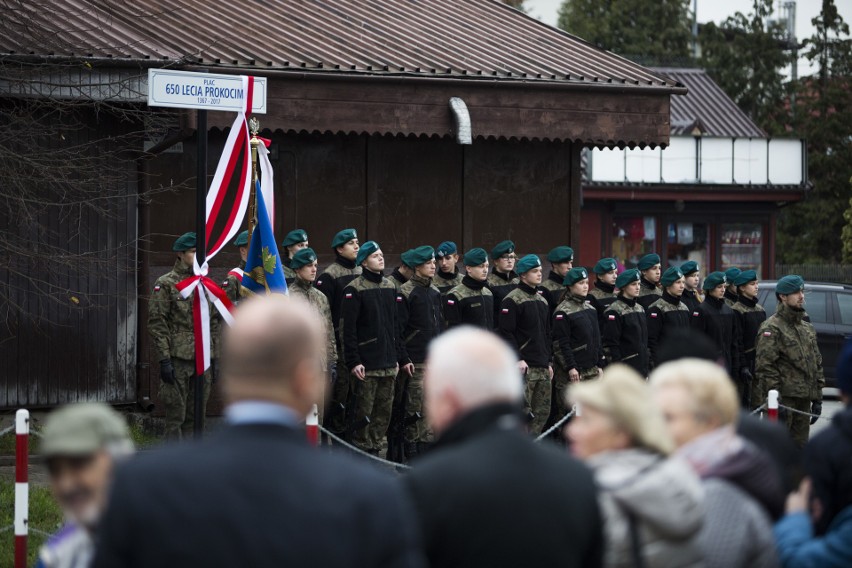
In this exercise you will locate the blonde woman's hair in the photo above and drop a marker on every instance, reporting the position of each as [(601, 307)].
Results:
[(711, 391)]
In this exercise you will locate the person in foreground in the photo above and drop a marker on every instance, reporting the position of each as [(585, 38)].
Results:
[(652, 504), (700, 404), (81, 445), (487, 495), (255, 493)]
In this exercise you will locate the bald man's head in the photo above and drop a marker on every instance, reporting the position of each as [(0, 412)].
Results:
[(274, 352)]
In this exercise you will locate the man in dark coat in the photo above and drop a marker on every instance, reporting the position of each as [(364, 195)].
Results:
[(256, 493), (487, 495)]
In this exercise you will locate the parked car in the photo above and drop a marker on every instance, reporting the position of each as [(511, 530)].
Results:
[(829, 307)]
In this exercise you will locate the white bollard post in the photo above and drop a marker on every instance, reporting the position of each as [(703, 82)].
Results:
[(772, 405), (22, 497), (312, 426)]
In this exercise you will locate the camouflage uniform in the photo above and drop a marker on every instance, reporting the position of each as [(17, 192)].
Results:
[(648, 293), (730, 298), (601, 296), (553, 290), (576, 345), (171, 328), (788, 360), (289, 273), (500, 285), (317, 299), (445, 282), (749, 316), (233, 286)]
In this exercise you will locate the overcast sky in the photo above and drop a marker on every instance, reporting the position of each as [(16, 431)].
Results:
[(718, 10)]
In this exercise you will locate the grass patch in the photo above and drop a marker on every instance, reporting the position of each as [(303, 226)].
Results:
[(44, 516), (141, 438)]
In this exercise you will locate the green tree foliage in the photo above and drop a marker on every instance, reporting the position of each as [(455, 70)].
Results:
[(846, 236), (745, 55), (519, 4), (653, 32)]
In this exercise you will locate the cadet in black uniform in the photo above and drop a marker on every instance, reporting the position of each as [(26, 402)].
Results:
[(731, 290), (503, 279), (471, 302), (625, 333), (295, 241), (692, 279), (650, 269), (603, 292), (561, 261), (716, 320), (749, 316), (668, 316), (448, 276), (402, 273)]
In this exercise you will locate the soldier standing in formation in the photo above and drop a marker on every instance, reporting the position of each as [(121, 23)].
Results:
[(749, 316), (577, 348), (471, 302), (295, 241), (625, 332), (419, 311), (233, 284), (603, 293), (668, 315), (731, 290), (716, 319), (561, 261), (524, 322), (170, 324), (332, 282), (788, 358), (692, 280), (650, 269), (369, 329), (448, 275), (402, 273), (503, 277)]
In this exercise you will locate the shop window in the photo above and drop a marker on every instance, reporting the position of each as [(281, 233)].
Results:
[(633, 238), (742, 246), (687, 241)]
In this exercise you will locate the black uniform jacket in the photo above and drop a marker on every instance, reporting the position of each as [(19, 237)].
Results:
[(576, 335), (690, 299), (419, 313), (625, 334), (665, 321), (333, 281), (716, 319), (602, 303), (525, 325), (369, 323), (469, 303), (749, 315)]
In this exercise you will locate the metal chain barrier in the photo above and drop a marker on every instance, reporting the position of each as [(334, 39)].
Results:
[(357, 450), (800, 411), (759, 409), (556, 426), (7, 430)]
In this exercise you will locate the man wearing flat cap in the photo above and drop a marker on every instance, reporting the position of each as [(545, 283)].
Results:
[(649, 286), (749, 317), (295, 241), (602, 294), (561, 260), (503, 278), (715, 319), (625, 332), (788, 358), (668, 316), (471, 302), (692, 290), (233, 284), (731, 289), (524, 322), (170, 324), (304, 267), (447, 276)]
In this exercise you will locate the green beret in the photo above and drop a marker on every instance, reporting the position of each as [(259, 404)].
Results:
[(627, 277), (184, 242), (303, 257), (366, 250), (670, 276), (343, 237), (421, 255), (731, 274), (446, 248), (648, 261), (605, 265), (502, 248), (575, 275), (475, 257), (745, 277), (527, 263), (297, 236), (561, 254), (406, 258), (689, 267), (790, 284), (241, 240), (714, 279)]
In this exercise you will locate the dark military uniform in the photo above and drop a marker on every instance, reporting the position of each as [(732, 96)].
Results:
[(171, 327), (289, 273), (397, 279), (445, 281), (625, 334), (667, 317), (788, 360), (369, 330), (690, 299), (500, 285), (730, 298), (524, 322), (419, 308), (716, 320), (749, 317), (553, 289), (576, 345), (601, 296), (648, 293), (469, 303)]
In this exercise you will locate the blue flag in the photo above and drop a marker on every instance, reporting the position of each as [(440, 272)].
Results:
[(264, 273)]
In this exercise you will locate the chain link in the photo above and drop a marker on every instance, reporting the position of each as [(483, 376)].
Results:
[(799, 411), (362, 452), (553, 428)]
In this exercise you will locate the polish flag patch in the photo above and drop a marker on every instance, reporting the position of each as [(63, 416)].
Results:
[(225, 284), (504, 311), (695, 314), (539, 292), (654, 314), (399, 298), (319, 282), (612, 318), (156, 288), (451, 302), (560, 316), (349, 295), (767, 333)]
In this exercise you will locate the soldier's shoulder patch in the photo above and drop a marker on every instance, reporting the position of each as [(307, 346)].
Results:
[(348, 295), (611, 316), (399, 298), (539, 292), (695, 314), (654, 314), (504, 311), (451, 302), (767, 333), (157, 288), (225, 284), (319, 283), (560, 316)]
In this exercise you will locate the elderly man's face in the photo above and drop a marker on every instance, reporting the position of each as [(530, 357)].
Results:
[(80, 485), (677, 407)]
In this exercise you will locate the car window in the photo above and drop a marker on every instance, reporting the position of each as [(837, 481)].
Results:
[(770, 302), (845, 302), (815, 304)]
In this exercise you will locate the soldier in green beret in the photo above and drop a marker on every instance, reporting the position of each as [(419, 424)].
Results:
[(332, 282), (692, 279), (602, 295), (731, 290), (471, 302), (668, 316), (304, 266), (716, 319), (649, 288), (503, 278), (625, 332), (448, 276), (402, 273), (524, 321), (561, 261), (749, 317), (170, 324), (577, 348), (233, 284), (295, 241), (788, 358)]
